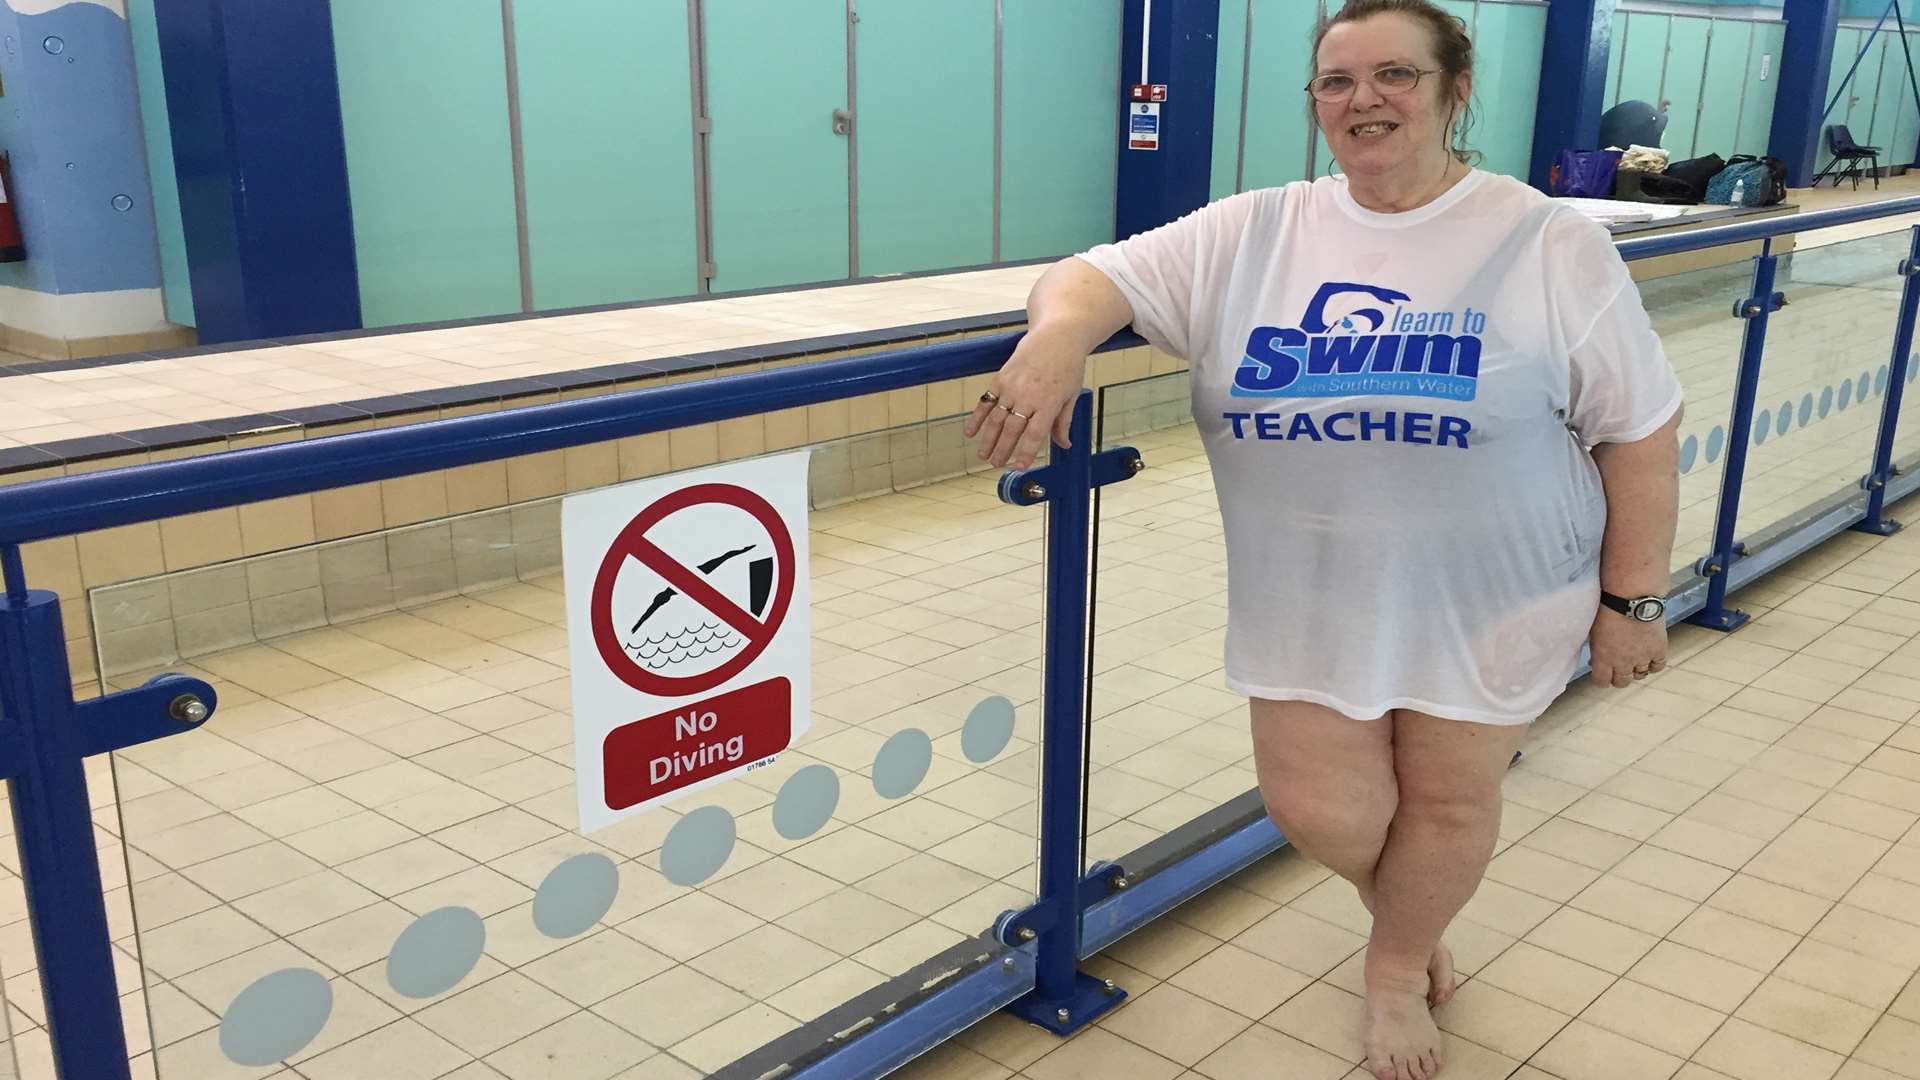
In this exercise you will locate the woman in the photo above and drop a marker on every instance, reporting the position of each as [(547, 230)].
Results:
[(1442, 433)]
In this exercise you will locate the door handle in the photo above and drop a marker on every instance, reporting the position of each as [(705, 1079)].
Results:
[(842, 122)]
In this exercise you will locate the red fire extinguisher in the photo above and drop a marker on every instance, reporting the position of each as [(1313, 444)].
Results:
[(12, 248)]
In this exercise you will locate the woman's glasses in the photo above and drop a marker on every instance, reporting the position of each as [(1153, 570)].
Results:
[(1394, 79)]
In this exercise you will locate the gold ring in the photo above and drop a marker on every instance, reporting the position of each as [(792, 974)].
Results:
[(1021, 415), (990, 397)]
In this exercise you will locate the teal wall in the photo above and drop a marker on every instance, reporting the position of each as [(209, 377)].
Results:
[(1060, 125), (1708, 71), (172, 234), (423, 99), (1507, 37), (1878, 103)]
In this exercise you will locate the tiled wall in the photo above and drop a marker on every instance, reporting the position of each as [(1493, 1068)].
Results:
[(163, 591)]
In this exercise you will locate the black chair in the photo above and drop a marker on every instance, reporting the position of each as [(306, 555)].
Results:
[(1849, 154)]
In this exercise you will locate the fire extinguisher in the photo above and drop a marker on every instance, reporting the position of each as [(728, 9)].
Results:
[(12, 248)]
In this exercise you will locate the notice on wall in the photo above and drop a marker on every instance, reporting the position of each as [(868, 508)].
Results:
[(1143, 126), (688, 628)]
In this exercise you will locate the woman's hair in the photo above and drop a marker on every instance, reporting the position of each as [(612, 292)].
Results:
[(1451, 45)]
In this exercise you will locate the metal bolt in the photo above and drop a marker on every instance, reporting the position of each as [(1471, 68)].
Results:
[(188, 709), (1111, 986), (1034, 491), (1007, 965), (1137, 464), (1120, 881), (1027, 934), (1063, 1016)]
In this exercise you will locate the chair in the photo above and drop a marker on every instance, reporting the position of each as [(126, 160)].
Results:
[(1850, 154)]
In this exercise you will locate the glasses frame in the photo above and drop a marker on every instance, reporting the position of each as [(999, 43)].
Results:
[(1372, 78)]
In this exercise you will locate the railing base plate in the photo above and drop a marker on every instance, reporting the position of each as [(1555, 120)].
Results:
[(1091, 998)]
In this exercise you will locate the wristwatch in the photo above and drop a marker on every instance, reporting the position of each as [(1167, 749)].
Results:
[(1642, 609)]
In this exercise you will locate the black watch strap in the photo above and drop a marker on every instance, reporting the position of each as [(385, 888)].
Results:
[(1623, 605)]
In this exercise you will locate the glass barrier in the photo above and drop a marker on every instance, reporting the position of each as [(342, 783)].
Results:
[(1824, 378), (1169, 741), (1693, 314), (370, 854)]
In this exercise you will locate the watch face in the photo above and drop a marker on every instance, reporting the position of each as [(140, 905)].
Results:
[(1649, 610)]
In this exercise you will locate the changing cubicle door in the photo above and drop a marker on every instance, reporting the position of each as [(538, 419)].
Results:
[(777, 93)]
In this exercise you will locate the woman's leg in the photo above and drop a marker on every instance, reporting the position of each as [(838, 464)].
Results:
[(1437, 848), (1328, 782)]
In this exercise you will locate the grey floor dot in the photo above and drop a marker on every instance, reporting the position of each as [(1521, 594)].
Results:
[(435, 952), (1762, 425), (988, 729), (1784, 419), (805, 802), (1716, 442), (902, 763), (1826, 402), (575, 895), (1689, 451), (276, 1016), (697, 846), (1846, 394), (1806, 409)]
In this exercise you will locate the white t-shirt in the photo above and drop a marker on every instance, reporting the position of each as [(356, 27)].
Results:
[(1398, 410)]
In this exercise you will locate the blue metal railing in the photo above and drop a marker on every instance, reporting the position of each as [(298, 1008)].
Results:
[(45, 735)]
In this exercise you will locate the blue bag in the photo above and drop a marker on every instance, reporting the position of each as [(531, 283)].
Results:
[(1754, 178), (1585, 174)]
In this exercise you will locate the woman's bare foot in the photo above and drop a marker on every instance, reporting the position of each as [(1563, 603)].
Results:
[(1400, 1038), (1441, 982)]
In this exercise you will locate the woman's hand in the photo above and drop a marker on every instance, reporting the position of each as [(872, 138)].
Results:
[(1626, 650), (1029, 397)]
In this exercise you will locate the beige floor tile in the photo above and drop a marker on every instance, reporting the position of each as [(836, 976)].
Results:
[(1818, 858), (1894, 1045), (1696, 976), (1097, 1052), (1294, 939), (1632, 904), (1654, 1017), (1248, 984), (586, 1046), (1775, 905), (1535, 974), (1506, 908), (1260, 1052), (1807, 1014), (1592, 940), (1593, 848), (1870, 934), (1006, 1040), (1323, 1016), (1500, 1021), (1855, 1069), (1540, 873), (1670, 872), (1860, 979), (1747, 1052), (1585, 1052), (1164, 948), (1175, 1024), (1732, 937)]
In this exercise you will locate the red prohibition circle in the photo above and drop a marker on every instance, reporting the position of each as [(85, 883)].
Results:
[(632, 542)]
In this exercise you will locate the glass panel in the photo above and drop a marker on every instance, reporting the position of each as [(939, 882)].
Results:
[(369, 855), (1818, 410), (1169, 741), (1693, 314)]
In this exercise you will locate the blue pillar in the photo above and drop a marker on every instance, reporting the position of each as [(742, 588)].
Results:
[(254, 102), (1806, 63), (1573, 81), (1157, 186)]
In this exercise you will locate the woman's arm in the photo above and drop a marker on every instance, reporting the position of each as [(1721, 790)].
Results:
[(1642, 482), (1071, 310)]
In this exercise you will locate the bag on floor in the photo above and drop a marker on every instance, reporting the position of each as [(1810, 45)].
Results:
[(1635, 185), (1698, 172), (1762, 182), (1585, 174)]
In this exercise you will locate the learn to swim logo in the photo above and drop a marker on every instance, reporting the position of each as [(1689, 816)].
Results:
[(1388, 349)]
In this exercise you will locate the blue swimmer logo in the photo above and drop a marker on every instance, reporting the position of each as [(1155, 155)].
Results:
[(1418, 354)]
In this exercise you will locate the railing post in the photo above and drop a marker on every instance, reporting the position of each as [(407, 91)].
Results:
[(1876, 481), (1715, 567), (53, 825), (1064, 999)]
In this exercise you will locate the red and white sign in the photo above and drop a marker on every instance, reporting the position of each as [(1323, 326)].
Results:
[(687, 619), (1147, 92)]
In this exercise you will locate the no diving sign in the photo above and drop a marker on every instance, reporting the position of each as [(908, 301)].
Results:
[(687, 620)]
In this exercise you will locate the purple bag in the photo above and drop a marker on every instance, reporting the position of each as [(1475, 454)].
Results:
[(1585, 174)]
